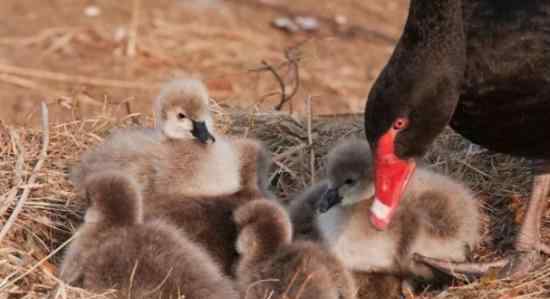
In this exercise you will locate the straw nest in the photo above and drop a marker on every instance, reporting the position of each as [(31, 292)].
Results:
[(31, 248)]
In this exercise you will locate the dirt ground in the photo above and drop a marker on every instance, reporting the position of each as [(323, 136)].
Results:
[(91, 53)]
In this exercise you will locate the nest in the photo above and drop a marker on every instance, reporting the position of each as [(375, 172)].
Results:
[(34, 242)]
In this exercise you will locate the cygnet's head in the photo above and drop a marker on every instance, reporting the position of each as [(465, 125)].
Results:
[(350, 174), (114, 199), (263, 226), (181, 111)]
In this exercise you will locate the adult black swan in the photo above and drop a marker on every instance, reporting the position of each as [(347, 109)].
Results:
[(482, 66)]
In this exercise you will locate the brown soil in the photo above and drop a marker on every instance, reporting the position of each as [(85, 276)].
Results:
[(46, 45)]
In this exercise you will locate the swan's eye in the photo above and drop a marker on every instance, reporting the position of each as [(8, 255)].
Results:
[(400, 123), (181, 116), (349, 181)]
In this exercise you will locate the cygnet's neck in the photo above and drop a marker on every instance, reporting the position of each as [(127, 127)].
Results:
[(366, 195)]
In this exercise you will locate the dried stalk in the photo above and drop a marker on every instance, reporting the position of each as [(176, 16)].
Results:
[(132, 35), (27, 189), (18, 181), (74, 79), (310, 141)]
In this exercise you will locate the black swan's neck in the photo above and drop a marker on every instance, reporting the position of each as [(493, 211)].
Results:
[(437, 27), (423, 77)]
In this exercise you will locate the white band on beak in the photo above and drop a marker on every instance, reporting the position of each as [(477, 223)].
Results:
[(379, 209)]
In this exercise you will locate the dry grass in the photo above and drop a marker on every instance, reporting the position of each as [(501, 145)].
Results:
[(30, 252)]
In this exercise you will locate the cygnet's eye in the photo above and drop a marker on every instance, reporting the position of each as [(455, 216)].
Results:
[(349, 181), (181, 116)]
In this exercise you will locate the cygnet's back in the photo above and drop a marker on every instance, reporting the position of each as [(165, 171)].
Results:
[(116, 249), (208, 220), (135, 151), (272, 265), (180, 155)]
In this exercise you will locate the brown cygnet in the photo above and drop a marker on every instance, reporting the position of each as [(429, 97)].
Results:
[(272, 265), (116, 249)]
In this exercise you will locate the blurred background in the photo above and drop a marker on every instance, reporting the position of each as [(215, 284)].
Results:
[(86, 57)]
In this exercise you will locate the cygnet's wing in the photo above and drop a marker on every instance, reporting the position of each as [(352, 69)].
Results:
[(303, 211)]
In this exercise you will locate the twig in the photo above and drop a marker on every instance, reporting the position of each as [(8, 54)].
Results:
[(250, 286), (304, 284), (285, 168), (293, 57), (291, 283), (39, 263), (310, 141), (61, 290), (25, 83), (159, 286), (18, 147), (75, 79), (60, 42), (27, 189), (37, 38), (473, 168), (281, 84), (289, 152), (132, 276), (128, 105), (132, 35), (18, 81)]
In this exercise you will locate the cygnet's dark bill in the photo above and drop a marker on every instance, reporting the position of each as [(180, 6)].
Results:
[(200, 131), (329, 199)]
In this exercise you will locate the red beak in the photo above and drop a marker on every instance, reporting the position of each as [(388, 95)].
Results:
[(390, 178)]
